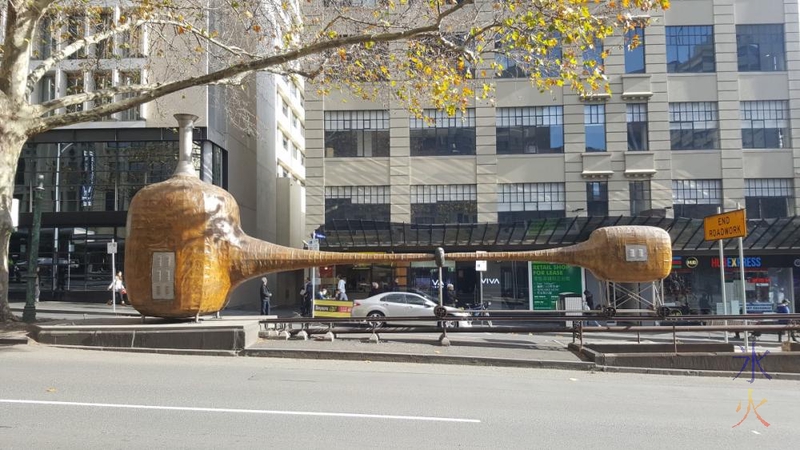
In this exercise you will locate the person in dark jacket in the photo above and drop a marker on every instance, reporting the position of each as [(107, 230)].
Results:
[(374, 290), (449, 296), (265, 297), (783, 308), (308, 295)]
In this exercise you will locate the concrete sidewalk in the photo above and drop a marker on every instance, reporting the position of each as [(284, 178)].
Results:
[(238, 332)]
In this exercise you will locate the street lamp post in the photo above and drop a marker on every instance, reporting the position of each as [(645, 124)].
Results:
[(29, 312)]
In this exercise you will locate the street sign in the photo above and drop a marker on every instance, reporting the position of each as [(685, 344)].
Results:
[(319, 235), (727, 225), (111, 248), (313, 244), (480, 266)]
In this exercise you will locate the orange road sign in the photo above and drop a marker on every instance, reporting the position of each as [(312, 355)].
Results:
[(727, 225)]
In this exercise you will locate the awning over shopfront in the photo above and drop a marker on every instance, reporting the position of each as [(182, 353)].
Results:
[(779, 235)]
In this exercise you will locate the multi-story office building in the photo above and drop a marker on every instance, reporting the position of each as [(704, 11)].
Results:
[(704, 114), (93, 170)]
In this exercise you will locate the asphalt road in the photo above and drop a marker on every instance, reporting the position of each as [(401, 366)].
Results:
[(74, 399)]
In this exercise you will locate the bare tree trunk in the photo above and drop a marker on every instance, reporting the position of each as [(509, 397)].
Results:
[(11, 142)]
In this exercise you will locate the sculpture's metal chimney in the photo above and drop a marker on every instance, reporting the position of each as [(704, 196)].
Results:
[(185, 127)]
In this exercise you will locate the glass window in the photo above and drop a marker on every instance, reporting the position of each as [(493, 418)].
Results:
[(595, 123), (130, 41), (76, 29), (761, 48), (768, 198), (105, 48), (593, 57), (438, 134), (44, 39), (516, 63), (357, 203), (452, 203), (74, 86), (696, 198), (634, 57), (693, 126), (765, 124), (284, 108), (636, 118), (530, 130), (519, 202), (356, 134), (47, 90), (597, 198), (640, 197), (690, 49), (130, 79), (102, 80)]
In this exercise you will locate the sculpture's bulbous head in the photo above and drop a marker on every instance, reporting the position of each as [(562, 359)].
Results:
[(177, 252), (628, 254)]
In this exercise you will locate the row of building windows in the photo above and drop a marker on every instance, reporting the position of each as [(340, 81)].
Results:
[(690, 49), (52, 30), (693, 126), (764, 198), (759, 48), (78, 82)]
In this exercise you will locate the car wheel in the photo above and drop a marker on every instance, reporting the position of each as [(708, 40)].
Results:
[(376, 315)]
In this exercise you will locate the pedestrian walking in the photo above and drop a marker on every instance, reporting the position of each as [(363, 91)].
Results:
[(37, 290), (265, 297), (588, 305), (307, 294), (119, 289), (587, 294), (783, 308), (449, 298), (341, 287)]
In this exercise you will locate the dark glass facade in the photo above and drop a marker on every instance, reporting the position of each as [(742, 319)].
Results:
[(90, 177)]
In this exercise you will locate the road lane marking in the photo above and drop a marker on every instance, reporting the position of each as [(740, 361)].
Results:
[(244, 411)]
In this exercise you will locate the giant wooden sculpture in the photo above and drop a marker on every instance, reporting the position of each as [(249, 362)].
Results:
[(185, 250)]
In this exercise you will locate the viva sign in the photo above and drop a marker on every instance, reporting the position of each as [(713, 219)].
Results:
[(548, 280)]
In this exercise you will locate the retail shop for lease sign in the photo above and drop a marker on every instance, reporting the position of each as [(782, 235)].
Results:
[(548, 280)]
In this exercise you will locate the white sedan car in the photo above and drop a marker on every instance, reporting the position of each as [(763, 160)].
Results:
[(403, 304)]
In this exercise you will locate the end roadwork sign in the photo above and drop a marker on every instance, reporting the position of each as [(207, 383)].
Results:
[(725, 226)]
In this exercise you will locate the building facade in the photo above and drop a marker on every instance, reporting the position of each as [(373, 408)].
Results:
[(93, 170), (703, 115)]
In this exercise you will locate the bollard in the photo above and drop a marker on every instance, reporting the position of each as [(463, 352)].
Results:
[(444, 341), (302, 335), (329, 337), (374, 339)]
